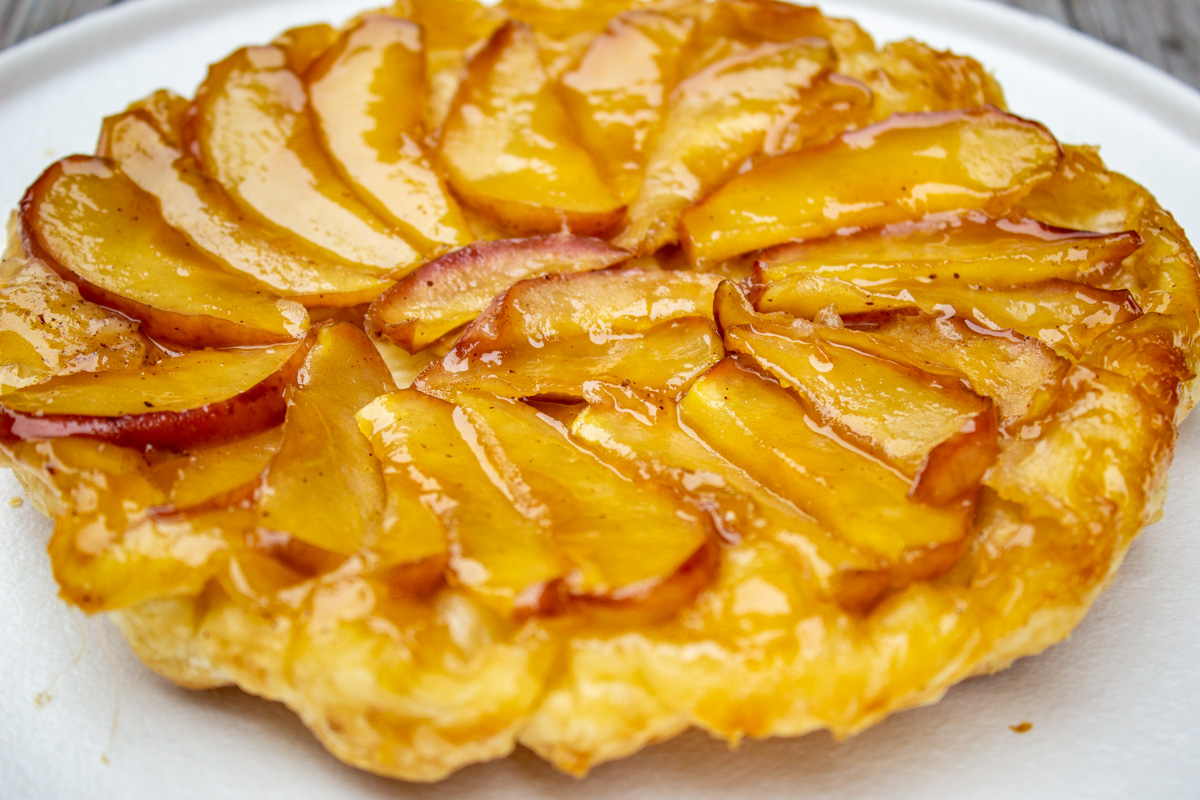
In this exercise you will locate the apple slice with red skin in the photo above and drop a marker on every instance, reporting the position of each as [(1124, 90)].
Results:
[(452, 290), (595, 324), (97, 229), (194, 399), (901, 169), (596, 304), (198, 207)]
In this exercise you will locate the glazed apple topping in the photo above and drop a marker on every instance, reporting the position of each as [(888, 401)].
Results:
[(652, 285)]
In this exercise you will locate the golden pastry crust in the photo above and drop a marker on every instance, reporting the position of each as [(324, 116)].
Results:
[(409, 657)]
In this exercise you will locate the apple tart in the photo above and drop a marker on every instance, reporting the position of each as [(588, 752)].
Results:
[(476, 376)]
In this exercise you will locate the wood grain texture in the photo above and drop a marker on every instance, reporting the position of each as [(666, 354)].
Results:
[(1165, 33)]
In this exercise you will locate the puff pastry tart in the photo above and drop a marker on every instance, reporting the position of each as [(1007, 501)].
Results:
[(469, 376)]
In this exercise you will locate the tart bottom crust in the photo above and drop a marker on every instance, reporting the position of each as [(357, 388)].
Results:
[(598, 698)]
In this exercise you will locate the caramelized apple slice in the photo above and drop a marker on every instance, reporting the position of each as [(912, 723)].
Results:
[(970, 251), (778, 21), (251, 129), (182, 401), (902, 169), (136, 263), (1004, 366), (738, 414), (508, 146), (887, 408), (451, 291), (432, 453), (833, 105), (47, 329), (716, 120), (665, 357), (368, 98), (305, 44), (565, 29), (1067, 316), (600, 305), (215, 476), (643, 432), (618, 89), (619, 534), (732, 307), (324, 487), (452, 29), (199, 209)]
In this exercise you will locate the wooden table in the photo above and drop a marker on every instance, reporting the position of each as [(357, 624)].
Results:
[(1164, 32)]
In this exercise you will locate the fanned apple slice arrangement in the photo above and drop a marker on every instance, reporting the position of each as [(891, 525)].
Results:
[(472, 376)]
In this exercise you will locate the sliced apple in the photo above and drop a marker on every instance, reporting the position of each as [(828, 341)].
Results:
[(600, 305), (867, 503), (716, 120), (95, 228), (47, 329), (198, 208), (902, 169), (970, 250), (502, 543), (368, 98), (1001, 365), (643, 432), (732, 307), (565, 28), (619, 534), (665, 357), (163, 109), (509, 150), (451, 291), (305, 44), (1066, 316), (777, 21), (890, 409), (182, 401), (215, 476), (250, 127), (453, 29), (833, 105), (324, 486), (618, 89)]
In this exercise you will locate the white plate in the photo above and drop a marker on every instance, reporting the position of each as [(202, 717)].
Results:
[(1115, 711)]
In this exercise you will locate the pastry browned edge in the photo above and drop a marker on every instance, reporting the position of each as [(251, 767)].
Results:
[(803, 381)]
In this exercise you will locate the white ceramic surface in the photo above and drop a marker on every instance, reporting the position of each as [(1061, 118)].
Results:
[(1115, 711)]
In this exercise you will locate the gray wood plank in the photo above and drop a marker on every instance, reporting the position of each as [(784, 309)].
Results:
[(1165, 33)]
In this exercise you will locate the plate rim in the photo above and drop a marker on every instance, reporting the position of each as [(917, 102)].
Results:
[(1168, 100)]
